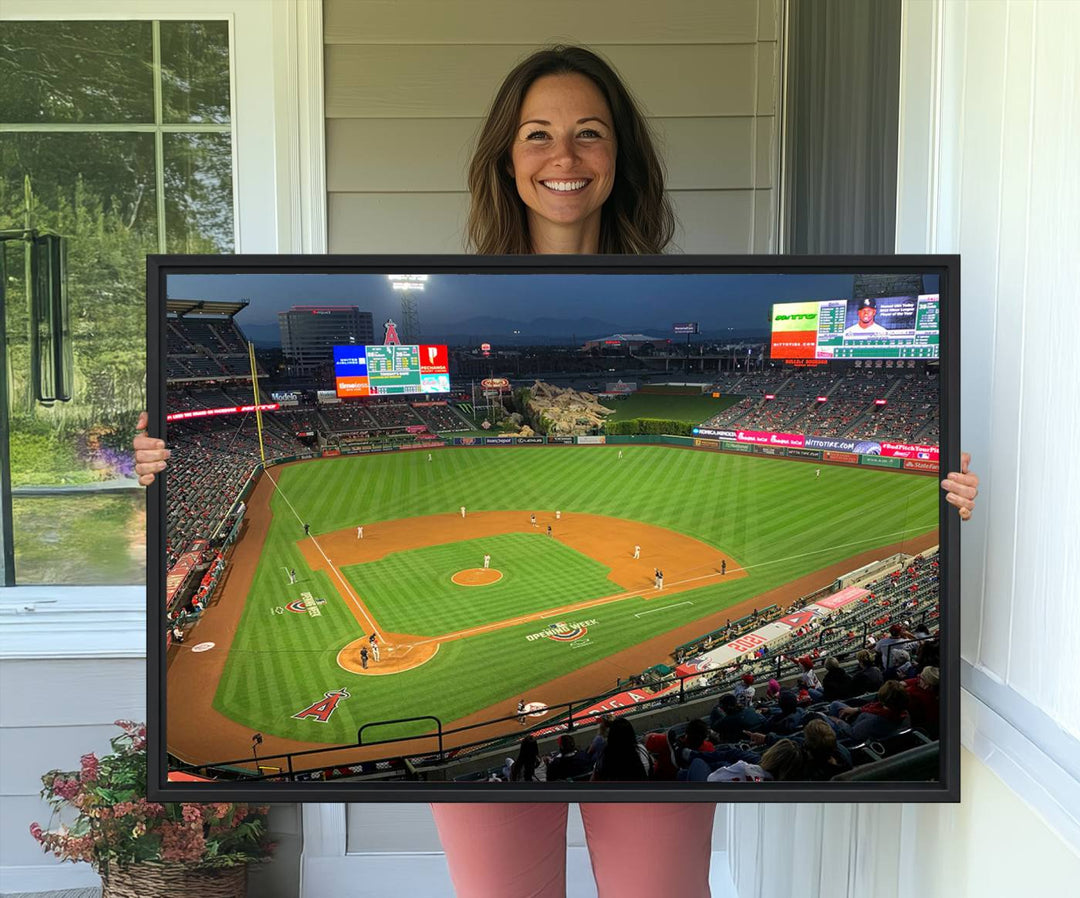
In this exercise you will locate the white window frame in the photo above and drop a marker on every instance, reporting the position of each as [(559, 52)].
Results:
[(1026, 748), (279, 201)]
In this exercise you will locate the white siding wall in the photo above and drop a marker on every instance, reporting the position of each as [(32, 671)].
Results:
[(408, 82), (989, 130)]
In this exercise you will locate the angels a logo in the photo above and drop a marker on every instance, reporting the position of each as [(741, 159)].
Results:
[(392, 338), (323, 708)]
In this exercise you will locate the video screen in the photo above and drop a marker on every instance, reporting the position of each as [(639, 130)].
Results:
[(390, 369), (867, 327), (414, 539)]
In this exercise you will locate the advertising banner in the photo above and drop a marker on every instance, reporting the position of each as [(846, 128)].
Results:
[(908, 450), (562, 441), (530, 441), (715, 434), (591, 440), (913, 464), (210, 412), (804, 453), (824, 443), (845, 458), (879, 461), (768, 438), (498, 441), (467, 441), (842, 598), (768, 450), (707, 444), (734, 447)]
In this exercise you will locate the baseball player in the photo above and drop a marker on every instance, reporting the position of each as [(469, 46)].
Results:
[(660, 581), (620, 453), (429, 456), (637, 551), (463, 511), (363, 658), (374, 646), (522, 716), (558, 515), (656, 578), (532, 519), (817, 473), (487, 562), (359, 532), (549, 530), (292, 575), (723, 567), (307, 529)]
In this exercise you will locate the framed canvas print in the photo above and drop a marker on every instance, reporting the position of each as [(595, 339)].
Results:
[(554, 528)]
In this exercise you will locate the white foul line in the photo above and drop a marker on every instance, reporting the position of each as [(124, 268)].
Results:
[(665, 608), (348, 589)]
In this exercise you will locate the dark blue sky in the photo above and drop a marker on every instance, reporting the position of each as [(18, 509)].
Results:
[(648, 303), (633, 301)]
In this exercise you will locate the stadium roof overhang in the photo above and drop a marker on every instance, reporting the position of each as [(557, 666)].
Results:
[(184, 307)]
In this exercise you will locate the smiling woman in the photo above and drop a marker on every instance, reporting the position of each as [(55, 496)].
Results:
[(563, 117)]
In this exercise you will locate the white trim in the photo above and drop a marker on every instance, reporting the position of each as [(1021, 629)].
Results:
[(64, 622), (1044, 774), (298, 27)]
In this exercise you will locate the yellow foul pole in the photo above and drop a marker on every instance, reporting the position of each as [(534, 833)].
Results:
[(255, 392)]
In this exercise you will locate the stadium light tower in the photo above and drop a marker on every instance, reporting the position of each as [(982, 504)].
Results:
[(409, 285)]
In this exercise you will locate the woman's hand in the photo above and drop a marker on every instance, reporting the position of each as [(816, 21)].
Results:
[(961, 487), (150, 453)]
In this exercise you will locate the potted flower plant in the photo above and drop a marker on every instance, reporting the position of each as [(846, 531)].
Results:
[(143, 848)]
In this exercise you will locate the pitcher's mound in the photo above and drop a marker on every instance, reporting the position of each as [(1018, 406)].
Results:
[(476, 576)]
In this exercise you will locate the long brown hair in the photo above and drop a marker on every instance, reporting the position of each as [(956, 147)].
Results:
[(637, 216)]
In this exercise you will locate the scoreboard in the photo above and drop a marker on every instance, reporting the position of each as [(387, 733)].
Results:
[(898, 327), (391, 370)]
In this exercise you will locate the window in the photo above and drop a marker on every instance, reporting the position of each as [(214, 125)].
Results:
[(116, 135)]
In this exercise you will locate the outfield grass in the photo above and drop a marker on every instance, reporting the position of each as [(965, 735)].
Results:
[(412, 592), (694, 409), (771, 515)]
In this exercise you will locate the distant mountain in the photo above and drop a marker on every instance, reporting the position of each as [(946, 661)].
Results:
[(537, 332)]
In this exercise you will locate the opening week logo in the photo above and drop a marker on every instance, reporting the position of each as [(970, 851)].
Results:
[(563, 631)]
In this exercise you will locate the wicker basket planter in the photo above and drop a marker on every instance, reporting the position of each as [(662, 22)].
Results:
[(153, 880)]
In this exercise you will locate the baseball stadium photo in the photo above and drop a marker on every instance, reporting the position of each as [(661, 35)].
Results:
[(491, 527)]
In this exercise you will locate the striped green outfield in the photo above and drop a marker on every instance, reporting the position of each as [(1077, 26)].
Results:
[(772, 515)]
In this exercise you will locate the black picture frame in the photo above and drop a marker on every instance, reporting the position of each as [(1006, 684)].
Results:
[(946, 788)]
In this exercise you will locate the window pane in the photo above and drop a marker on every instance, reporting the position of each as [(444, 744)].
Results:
[(97, 190), (195, 72), (76, 72), (198, 193), (81, 539)]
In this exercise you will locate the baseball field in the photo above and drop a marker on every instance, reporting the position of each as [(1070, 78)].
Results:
[(554, 617)]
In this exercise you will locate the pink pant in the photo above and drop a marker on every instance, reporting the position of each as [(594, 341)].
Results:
[(519, 850)]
